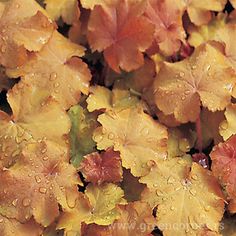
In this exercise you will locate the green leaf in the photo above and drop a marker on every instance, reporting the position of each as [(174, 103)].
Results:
[(83, 124)]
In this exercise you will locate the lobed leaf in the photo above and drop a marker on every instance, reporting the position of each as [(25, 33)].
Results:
[(188, 198), (121, 31)]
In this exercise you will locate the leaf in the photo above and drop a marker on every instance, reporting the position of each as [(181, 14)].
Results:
[(63, 72), (136, 219), (224, 168), (81, 142), (90, 4), (101, 98), (203, 33), (210, 122), (31, 121), (228, 127), (103, 200), (142, 78), (166, 15), (99, 168), (24, 28), (121, 31), (204, 78), (141, 141), (11, 227), (98, 205), (42, 179), (199, 11), (180, 141), (138, 216), (96, 230), (222, 32), (131, 186), (188, 198), (68, 10)]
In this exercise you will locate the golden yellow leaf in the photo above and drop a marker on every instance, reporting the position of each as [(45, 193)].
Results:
[(90, 4), (199, 11), (42, 179), (210, 123), (142, 142), (188, 198), (204, 78), (180, 141), (99, 98), (31, 121), (58, 69), (68, 10), (98, 205), (228, 127), (24, 28), (204, 33)]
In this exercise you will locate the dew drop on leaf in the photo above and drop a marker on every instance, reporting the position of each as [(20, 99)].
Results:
[(26, 202), (42, 190), (38, 179)]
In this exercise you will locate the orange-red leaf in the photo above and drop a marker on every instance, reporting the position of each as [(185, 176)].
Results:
[(166, 15), (223, 159), (122, 32), (11, 227), (99, 168)]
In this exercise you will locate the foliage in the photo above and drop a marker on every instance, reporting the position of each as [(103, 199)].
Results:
[(117, 117)]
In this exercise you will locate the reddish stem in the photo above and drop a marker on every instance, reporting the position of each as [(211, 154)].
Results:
[(199, 134)]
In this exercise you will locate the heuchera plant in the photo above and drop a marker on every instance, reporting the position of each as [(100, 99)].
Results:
[(117, 117)]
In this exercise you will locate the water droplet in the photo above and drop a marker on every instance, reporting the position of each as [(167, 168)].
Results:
[(171, 180), (14, 202), (38, 179), (187, 92), (181, 74), (194, 177), (3, 49), (44, 150), (183, 97), (111, 136), (193, 192), (56, 85), (1, 220), (45, 158), (172, 208), (26, 202), (27, 217), (193, 67), (17, 5), (151, 163), (53, 76), (159, 193), (42, 190), (207, 208), (155, 185)]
